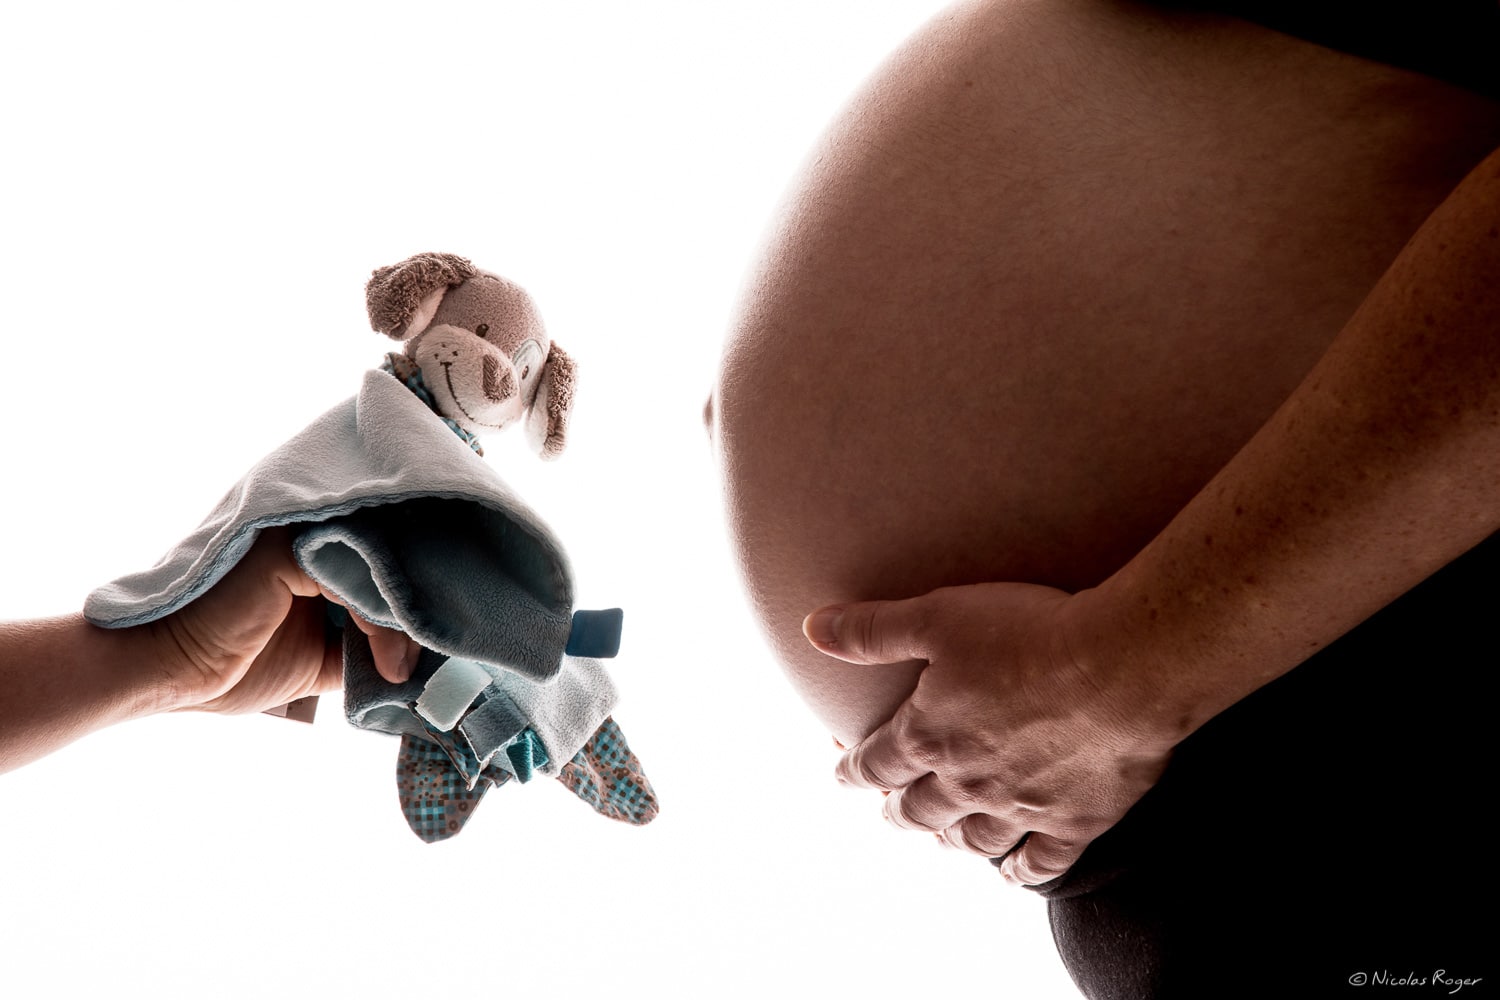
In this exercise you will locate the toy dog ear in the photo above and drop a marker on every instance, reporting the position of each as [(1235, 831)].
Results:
[(547, 424), (609, 777), (401, 298)]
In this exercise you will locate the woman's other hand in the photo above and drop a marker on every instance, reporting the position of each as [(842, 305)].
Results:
[(1009, 738)]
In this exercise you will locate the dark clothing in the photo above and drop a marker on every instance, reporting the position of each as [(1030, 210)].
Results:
[(1325, 835), (1326, 827), (1453, 40)]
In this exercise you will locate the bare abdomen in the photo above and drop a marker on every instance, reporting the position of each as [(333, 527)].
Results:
[(1046, 275)]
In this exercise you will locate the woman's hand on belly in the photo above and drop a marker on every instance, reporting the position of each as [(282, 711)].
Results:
[(1044, 713), (1007, 735), (1054, 267)]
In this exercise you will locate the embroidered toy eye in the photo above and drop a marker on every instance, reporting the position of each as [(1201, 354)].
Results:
[(482, 329), (527, 359)]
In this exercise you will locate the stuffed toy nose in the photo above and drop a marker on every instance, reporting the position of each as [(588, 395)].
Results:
[(499, 379)]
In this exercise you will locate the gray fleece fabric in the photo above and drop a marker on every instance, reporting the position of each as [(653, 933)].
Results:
[(563, 712), (403, 521), (413, 530)]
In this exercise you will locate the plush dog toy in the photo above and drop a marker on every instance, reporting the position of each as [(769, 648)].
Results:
[(476, 346), (408, 527), (477, 354)]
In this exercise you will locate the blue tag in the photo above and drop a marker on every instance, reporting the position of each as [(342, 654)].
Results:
[(596, 634)]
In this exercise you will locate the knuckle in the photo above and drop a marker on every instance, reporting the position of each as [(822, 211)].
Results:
[(929, 751), (868, 776), (911, 808), (1028, 871), (894, 809), (852, 771), (977, 842), (866, 627), (889, 631), (924, 740), (1045, 859), (962, 835), (992, 837), (974, 791), (946, 753), (856, 769), (953, 836)]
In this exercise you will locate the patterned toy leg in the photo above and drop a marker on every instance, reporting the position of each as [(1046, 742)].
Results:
[(607, 776), (435, 798)]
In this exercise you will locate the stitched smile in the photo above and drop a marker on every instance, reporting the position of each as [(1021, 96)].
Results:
[(448, 377)]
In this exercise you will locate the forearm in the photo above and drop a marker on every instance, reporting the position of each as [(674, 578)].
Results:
[(1381, 467), (62, 678)]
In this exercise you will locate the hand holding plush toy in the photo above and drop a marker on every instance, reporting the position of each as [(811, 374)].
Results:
[(404, 525)]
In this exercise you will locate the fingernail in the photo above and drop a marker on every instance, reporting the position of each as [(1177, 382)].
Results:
[(823, 626)]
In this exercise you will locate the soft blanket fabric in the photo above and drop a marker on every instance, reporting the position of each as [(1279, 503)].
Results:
[(406, 524), (410, 528), (487, 720)]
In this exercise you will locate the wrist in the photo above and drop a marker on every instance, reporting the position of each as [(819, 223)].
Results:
[(134, 670), (62, 678), (1161, 681)]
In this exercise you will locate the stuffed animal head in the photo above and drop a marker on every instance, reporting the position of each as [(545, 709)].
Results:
[(484, 356)]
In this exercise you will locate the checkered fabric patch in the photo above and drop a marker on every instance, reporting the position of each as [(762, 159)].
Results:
[(406, 370), (459, 756), (607, 776), (435, 799)]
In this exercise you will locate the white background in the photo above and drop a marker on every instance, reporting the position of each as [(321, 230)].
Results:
[(193, 198)]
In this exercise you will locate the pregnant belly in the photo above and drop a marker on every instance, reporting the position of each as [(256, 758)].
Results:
[(1046, 274)]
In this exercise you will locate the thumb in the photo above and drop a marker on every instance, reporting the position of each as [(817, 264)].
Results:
[(870, 631)]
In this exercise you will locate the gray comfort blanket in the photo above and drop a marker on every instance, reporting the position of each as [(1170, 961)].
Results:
[(414, 531), (405, 523)]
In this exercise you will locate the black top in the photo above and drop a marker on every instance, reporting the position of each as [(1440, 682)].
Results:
[(1453, 40)]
